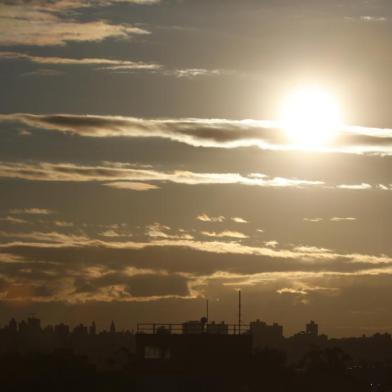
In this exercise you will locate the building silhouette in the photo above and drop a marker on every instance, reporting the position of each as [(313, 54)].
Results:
[(198, 342), (266, 335), (312, 329)]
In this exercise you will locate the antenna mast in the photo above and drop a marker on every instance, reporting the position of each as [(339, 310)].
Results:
[(207, 309), (239, 312)]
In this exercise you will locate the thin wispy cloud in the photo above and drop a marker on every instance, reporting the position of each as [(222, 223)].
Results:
[(271, 244), (101, 64), (189, 73), (303, 289), (206, 218), (374, 19), (333, 219), (225, 234), (59, 223), (35, 24), (120, 173), (355, 187), (343, 219), (64, 5), (131, 186), (53, 237), (108, 63), (163, 236), (238, 219), (14, 220), (31, 211), (111, 233)]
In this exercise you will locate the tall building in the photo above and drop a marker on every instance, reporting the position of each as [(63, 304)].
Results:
[(12, 326), (34, 324), (93, 329), (312, 328), (264, 334), (196, 342)]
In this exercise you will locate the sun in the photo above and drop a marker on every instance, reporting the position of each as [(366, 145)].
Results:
[(311, 117)]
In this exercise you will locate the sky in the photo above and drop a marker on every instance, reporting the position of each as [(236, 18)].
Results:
[(144, 168)]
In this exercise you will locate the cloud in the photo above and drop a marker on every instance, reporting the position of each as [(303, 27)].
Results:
[(132, 186), (302, 289), (129, 284), (342, 219), (291, 290), (108, 63), (114, 234), (63, 224), (333, 219), (271, 244), (307, 249), (53, 254), (205, 218), (33, 260), (223, 234), (63, 5), (120, 173), (31, 211), (47, 23), (54, 238), (374, 19), (102, 64), (9, 258), (355, 187), (157, 230), (156, 68), (217, 133), (163, 236), (237, 219), (196, 132), (13, 220), (190, 73)]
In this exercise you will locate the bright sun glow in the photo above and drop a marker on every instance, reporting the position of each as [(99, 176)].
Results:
[(311, 117)]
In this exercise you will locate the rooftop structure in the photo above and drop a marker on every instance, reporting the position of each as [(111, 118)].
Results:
[(312, 329), (198, 341)]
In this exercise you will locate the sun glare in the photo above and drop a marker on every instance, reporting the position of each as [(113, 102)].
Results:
[(311, 117)]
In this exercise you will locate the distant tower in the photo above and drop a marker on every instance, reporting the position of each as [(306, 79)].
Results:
[(112, 327), (239, 312), (93, 329), (12, 326), (312, 329)]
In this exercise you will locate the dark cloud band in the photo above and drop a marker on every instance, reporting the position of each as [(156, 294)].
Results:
[(216, 133)]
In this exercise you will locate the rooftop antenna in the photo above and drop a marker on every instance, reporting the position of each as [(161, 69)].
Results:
[(207, 309), (239, 312)]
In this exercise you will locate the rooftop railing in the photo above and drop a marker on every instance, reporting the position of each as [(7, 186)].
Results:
[(191, 328)]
